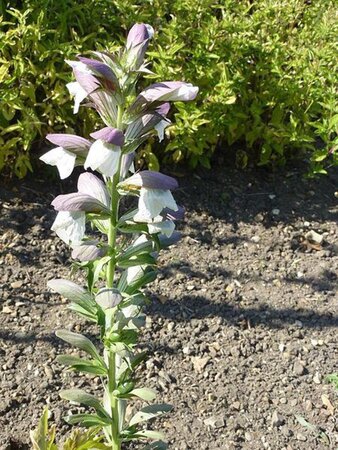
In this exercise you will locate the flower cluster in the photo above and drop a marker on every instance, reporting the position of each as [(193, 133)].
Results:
[(120, 263)]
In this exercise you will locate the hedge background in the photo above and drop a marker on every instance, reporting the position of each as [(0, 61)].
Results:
[(266, 69)]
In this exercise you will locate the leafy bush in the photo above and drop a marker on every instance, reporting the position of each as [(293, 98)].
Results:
[(266, 71)]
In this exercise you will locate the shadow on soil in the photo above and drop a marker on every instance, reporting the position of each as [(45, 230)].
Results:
[(199, 307)]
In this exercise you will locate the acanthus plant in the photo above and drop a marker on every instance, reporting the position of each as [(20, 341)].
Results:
[(123, 260)]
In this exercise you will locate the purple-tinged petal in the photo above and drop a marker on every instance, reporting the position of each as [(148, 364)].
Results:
[(106, 105), (173, 215), (167, 91), (88, 252), (126, 162), (151, 180), (77, 201), (100, 68), (163, 109), (138, 34), (143, 125), (91, 185), (110, 135), (69, 141), (87, 81)]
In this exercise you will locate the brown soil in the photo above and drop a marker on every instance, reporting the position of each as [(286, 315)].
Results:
[(241, 330)]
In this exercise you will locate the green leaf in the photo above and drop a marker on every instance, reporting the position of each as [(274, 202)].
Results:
[(149, 434), (43, 438), (150, 412), (83, 398), (135, 250), (144, 393), (82, 365), (70, 290), (146, 276), (306, 424), (85, 311), (333, 378), (87, 420), (85, 440), (79, 341), (140, 260)]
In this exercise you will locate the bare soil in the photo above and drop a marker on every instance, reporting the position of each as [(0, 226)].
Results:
[(241, 330)]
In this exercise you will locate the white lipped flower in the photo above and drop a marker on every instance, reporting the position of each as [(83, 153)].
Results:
[(69, 147), (103, 157), (70, 222), (76, 90), (166, 227), (152, 202), (105, 152), (70, 226), (63, 159)]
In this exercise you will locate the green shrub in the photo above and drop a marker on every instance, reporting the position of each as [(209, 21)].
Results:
[(266, 70)]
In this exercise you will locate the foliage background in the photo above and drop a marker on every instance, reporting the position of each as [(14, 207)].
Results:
[(266, 69)]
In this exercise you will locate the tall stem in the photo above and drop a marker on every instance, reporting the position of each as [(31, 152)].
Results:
[(111, 356)]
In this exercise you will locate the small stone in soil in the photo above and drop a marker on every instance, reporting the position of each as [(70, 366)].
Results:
[(215, 422), (298, 368), (277, 420)]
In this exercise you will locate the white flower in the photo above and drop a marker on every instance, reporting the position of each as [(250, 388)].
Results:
[(152, 202), (70, 226), (104, 157), (78, 92), (160, 127), (63, 159), (166, 227)]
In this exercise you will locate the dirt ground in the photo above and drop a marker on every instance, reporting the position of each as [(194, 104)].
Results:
[(241, 331)]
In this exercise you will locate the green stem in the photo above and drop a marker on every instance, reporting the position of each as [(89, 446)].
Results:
[(111, 356)]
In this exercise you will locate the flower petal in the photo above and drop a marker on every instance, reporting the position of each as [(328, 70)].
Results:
[(174, 215), (126, 163), (91, 185), (103, 157), (106, 105), (110, 135), (77, 201), (87, 81), (100, 69), (70, 226), (62, 159), (88, 252), (78, 92), (166, 227), (139, 33), (167, 91), (152, 202), (69, 141), (149, 179), (160, 127)]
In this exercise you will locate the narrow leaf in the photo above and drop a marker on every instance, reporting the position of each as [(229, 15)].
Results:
[(82, 365), (70, 290), (144, 393), (79, 341), (83, 398), (87, 420), (150, 412)]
